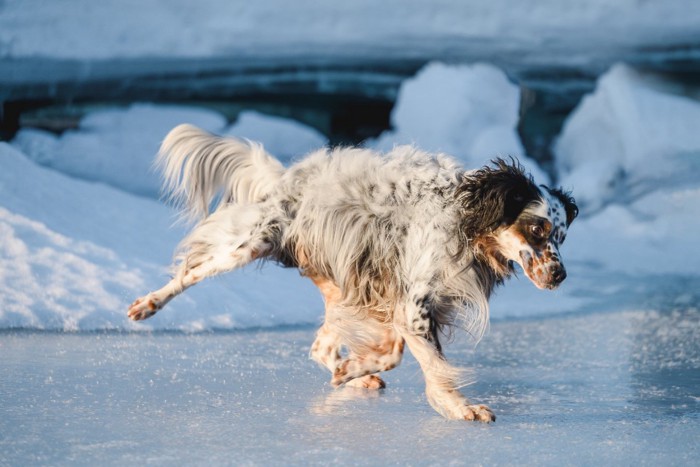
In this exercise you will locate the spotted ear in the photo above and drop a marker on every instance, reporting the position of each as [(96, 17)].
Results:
[(493, 196), (569, 203)]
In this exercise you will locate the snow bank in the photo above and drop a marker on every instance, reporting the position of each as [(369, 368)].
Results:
[(628, 138), (117, 146), (631, 154), (655, 234), (468, 111), (74, 254), (284, 138)]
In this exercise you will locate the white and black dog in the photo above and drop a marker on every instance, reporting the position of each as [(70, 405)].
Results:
[(401, 245)]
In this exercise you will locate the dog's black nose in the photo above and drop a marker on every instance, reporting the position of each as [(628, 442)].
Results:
[(559, 274)]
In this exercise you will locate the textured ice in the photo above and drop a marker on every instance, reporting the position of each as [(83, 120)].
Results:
[(601, 388)]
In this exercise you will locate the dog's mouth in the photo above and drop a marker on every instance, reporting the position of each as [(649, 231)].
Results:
[(546, 275)]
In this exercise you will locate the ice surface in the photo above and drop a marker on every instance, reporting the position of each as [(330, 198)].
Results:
[(610, 388)]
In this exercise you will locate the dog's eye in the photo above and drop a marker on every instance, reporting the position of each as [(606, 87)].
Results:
[(537, 231)]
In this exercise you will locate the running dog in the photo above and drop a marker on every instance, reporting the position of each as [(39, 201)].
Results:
[(402, 245)]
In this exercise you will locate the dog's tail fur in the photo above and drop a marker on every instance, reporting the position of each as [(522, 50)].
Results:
[(198, 167)]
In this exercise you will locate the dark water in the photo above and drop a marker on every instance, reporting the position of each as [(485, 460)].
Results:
[(347, 97)]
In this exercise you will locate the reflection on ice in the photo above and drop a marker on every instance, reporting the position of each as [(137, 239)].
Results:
[(335, 402)]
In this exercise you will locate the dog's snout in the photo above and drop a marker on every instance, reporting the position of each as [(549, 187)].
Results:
[(559, 274)]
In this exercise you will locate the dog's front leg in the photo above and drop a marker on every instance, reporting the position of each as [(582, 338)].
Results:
[(441, 381)]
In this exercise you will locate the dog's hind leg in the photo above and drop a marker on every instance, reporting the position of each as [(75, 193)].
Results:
[(326, 348), (384, 355), (228, 239), (326, 352)]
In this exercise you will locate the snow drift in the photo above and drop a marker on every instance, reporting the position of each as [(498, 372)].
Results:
[(117, 146), (630, 137), (467, 111), (74, 254)]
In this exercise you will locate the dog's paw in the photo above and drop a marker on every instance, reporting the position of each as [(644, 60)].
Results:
[(479, 413), (367, 382), (144, 308)]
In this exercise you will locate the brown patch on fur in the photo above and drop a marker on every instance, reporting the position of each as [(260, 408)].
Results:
[(489, 248), (342, 370), (331, 292), (302, 260), (370, 289), (373, 382)]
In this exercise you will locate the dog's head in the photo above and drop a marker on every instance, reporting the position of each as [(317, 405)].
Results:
[(508, 218)]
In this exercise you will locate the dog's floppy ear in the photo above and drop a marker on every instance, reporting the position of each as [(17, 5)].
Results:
[(494, 195), (569, 203)]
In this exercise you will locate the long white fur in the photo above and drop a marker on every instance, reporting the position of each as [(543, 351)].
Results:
[(339, 219), (197, 166)]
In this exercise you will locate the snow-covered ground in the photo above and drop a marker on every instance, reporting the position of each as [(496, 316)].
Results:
[(84, 232)]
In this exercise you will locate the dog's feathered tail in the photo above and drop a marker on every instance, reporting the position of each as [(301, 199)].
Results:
[(198, 166)]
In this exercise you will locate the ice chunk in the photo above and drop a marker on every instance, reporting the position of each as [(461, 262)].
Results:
[(628, 138), (467, 111)]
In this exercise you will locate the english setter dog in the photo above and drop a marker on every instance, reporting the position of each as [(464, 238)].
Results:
[(401, 245)]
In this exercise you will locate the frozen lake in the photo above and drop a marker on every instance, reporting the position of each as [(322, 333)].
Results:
[(602, 388)]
